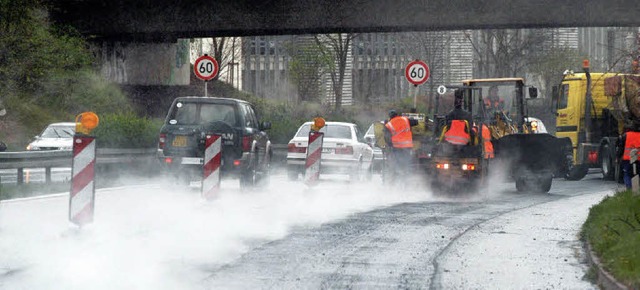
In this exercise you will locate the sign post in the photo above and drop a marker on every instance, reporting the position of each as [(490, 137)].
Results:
[(417, 73), (205, 68)]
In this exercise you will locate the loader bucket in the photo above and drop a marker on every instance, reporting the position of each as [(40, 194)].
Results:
[(530, 152)]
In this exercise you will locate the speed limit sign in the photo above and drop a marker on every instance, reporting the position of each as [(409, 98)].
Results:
[(417, 72), (205, 68)]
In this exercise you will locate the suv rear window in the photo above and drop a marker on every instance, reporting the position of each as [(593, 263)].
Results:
[(186, 113)]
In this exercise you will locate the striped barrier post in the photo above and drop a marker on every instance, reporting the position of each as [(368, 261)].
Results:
[(314, 152), (635, 178), (82, 195), (211, 164)]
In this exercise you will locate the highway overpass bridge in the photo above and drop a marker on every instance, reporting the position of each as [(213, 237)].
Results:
[(142, 36)]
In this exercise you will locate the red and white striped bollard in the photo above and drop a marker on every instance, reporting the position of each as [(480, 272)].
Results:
[(82, 195), (314, 153), (211, 164)]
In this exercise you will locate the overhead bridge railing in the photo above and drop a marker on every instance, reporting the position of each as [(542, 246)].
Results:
[(61, 159)]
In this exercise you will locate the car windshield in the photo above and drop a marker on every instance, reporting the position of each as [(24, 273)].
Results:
[(58, 132), (191, 113), (370, 131), (330, 131)]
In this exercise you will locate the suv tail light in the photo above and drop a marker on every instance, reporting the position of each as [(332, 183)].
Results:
[(344, 150), (162, 140), (246, 143), (291, 148)]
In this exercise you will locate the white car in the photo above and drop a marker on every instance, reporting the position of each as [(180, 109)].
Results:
[(57, 136), (343, 151)]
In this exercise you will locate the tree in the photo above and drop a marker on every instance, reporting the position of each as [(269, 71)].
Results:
[(308, 64), (552, 63), (225, 50), (504, 52), (433, 48), (336, 47)]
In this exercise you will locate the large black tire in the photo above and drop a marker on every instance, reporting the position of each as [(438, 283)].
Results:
[(249, 175), (542, 184), (576, 172), (607, 163)]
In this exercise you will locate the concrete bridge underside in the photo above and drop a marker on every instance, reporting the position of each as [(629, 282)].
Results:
[(168, 20)]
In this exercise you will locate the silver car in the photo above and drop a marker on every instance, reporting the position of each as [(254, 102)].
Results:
[(343, 151), (57, 136)]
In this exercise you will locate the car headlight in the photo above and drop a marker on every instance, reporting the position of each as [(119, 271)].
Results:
[(31, 147)]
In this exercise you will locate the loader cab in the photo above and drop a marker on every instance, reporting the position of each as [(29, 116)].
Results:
[(501, 98)]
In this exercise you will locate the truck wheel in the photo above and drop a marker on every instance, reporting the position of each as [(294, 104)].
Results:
[(606, 164), (249, 175)]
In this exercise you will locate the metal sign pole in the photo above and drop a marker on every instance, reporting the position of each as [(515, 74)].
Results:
[(205, 88), (415, 97)]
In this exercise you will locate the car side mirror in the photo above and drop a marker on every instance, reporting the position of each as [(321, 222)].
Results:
[(369, 140), (265, 126), (533, 92)]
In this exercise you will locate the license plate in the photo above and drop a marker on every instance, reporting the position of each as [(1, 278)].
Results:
[(179, 141), (327, 150)]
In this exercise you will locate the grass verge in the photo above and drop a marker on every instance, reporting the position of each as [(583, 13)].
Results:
[(613, 230)]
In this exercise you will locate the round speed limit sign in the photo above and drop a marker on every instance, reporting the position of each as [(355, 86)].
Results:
[(205, 68), (417, 72)]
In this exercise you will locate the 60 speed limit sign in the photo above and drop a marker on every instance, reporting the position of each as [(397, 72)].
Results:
[(205, 68), (417, 72)]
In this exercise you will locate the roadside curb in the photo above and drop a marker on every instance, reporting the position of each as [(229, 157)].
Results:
[(604, 279)]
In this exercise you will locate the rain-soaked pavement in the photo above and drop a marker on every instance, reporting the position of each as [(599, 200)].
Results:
[(504, 240), (335, 235)]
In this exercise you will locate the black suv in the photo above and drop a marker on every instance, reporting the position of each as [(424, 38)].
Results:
[(246, 149)]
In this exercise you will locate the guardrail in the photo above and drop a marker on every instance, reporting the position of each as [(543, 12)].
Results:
[(51, 159)]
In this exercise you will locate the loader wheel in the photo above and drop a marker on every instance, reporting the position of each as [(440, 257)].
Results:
[(544, 184)]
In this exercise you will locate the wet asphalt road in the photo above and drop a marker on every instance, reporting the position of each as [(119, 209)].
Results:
[(444, 243)]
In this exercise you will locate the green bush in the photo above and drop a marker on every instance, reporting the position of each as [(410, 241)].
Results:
[(126, 130), (613, 230)]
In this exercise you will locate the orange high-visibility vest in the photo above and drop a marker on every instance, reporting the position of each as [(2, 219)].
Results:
[(633, 141), (488, 103), (400, 132), (488, 146), (458, 134)]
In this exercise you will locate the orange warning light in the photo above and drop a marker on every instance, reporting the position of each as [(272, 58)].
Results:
[(85, 122), (318, 123)]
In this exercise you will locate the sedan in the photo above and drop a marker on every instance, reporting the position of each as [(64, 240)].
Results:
[(343, 151), (57, 136)]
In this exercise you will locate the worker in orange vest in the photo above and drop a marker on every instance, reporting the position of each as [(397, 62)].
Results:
[(458, 123), (398, 135), (631, 140), (488, 146)]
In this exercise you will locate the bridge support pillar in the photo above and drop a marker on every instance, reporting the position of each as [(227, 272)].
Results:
[(132, 63)]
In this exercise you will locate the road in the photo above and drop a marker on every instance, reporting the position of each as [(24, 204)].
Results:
[(335, 235)]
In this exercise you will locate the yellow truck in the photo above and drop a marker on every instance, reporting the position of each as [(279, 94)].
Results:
[(592, 109)]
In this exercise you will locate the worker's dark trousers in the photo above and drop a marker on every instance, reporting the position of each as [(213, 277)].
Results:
[(627, 173), (402, 159)]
